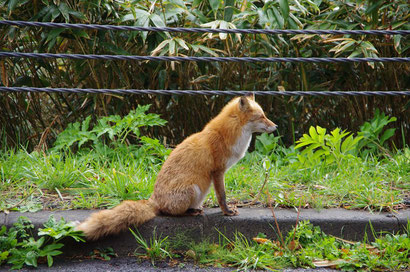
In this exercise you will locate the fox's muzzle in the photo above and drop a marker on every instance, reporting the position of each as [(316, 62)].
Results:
[(270, 126)]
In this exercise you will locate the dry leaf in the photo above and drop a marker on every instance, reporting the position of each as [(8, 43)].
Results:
[(260, 240), (327, 263)]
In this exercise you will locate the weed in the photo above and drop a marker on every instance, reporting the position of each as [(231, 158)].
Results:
[(19, 247), (374, 134), (112, 130), (328, 148), (156, 249), (305, 246), (103, 253)]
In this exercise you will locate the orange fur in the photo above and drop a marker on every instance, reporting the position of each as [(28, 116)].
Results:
[(187, 174)]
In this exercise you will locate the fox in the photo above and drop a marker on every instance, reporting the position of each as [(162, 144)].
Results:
[(187, 174)]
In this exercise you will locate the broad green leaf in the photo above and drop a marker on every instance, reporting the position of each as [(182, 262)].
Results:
[(296, 20), (228, 11), (53, 247), (321, 130), (208, 50), (160, 46), (223, 25), (313, 133), (64, 9), (172, 44), (196, 3), (215, 5), (49, 260), (397, 43), (55, 12), (182, 43), (53, 34), (77, 14), (387, 135), (129, 17), (284, 6), (302, 144), (278, 17), (157, 20), (11, 5), (31, 258), (80, 33), (373, 7)]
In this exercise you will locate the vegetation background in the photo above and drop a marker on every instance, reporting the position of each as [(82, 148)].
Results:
[(35, 119)]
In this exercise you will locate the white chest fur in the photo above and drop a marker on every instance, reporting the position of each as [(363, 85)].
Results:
[(239, 148)]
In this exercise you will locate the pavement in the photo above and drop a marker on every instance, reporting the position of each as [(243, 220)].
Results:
[(132, 264), (347, 224)]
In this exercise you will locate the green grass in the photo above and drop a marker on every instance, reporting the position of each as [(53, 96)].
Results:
[(304, 246), (371, 183), (58, 180), (97, 166)]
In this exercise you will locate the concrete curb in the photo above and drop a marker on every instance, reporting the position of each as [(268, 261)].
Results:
[(350, 225)]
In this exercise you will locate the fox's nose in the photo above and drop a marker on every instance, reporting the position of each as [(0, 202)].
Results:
[(272, 128)]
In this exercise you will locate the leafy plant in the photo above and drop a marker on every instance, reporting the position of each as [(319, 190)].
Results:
[(113, 128), (19, 247), (329, 148), (266, 143), (60, 229), (156, 249), (374, 135), (36, 118), (269, 146), (103, 253), (306, 246)]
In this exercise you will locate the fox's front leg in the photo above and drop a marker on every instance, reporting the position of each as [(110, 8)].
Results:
[(219, 185)]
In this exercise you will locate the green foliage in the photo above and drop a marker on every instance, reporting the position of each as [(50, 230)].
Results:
[(36, 117), (103, 253), (59, 230), (327, 148), (374, 134), (19, 247), (306, 246), (157, 248), (268, 146), (112, 128), (106, 161)]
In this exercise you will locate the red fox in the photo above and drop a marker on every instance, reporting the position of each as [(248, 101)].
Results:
[(186, 176)]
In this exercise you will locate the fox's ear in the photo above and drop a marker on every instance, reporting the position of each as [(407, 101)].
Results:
[(251, 96), (244, 103)]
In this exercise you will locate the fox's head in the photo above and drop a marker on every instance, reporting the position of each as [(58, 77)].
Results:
[(253, 116)]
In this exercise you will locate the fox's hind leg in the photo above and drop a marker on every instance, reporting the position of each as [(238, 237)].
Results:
[(175, 202), (186, 200)]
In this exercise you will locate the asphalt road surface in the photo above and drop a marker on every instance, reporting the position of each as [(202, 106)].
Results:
[(125, 264)]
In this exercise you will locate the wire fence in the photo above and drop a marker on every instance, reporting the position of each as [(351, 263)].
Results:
[(204, 59), (204, 92), (206, 30)]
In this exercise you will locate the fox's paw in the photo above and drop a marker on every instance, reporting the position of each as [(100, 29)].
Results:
[(231, 211), (194, 212)]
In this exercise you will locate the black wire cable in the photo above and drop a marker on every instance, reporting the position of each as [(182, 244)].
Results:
[(205, 30), (206, 59), (204, 92)]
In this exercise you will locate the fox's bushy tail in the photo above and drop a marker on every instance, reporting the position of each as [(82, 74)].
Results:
[(118, 219)]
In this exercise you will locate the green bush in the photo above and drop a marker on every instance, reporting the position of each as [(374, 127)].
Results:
[(19, 247), (39, 117)]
